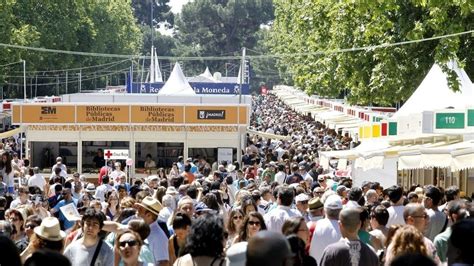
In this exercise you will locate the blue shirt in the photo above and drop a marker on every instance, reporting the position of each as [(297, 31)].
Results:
[(67, 224)]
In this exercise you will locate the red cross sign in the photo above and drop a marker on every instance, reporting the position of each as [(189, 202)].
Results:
[(108, 154)]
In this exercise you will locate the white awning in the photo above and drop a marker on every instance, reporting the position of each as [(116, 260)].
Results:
[(409, 160), (374, 162), (10, 133), (462, 159)]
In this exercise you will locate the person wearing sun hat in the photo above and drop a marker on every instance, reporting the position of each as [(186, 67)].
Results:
[(149, 210), (48, 235)]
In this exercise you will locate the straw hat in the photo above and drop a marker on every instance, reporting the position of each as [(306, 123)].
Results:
[(90, 188), (50, 229), (151, 204)]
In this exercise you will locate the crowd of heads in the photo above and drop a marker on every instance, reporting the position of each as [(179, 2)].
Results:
[(278, 198)]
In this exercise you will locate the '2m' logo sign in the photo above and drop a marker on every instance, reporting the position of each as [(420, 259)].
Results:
[(48, 110)]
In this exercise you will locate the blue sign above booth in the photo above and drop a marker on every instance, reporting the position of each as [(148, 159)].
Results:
[(199, 88)]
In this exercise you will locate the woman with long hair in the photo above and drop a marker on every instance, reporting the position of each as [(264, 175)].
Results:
[(236, 218), (296, 226), (181, 224), (161, 173), (159, 193), (31, 223), (112, 209), (252, 224), (84, 201), (174, 172), (18, 236), (205, 243), (7, 172), (407, 239), (248, 205)]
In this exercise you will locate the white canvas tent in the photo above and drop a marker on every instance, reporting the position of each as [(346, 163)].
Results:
[(204, 77), (177, 84), (434, 93)]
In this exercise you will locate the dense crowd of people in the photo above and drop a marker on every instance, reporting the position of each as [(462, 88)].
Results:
[(276, 207)]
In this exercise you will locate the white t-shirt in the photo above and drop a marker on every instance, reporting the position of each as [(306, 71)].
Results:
[(436, 224), (101, 191), (280, 177), (80, 255), (63, 170), (395, 215), (37, 180), (326, 232), (277, 217)]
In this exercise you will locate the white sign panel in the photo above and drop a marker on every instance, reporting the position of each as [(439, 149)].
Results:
[(70, 212), (116, 154), (224, 154)]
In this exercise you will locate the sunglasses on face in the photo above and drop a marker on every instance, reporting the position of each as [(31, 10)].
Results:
[(30, 226), (131, 243), (252, 223), (238, 217), (304, 202)]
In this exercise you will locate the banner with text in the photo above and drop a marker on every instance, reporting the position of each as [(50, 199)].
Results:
[(103, 114), (147, 114), (199, 88)]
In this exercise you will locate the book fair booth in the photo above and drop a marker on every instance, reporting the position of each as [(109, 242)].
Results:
[(162, 127), (429, 140)]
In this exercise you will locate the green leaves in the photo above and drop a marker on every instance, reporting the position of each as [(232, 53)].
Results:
[(381, 76)]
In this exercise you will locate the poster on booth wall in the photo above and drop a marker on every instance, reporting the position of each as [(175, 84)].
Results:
[(224, 154)]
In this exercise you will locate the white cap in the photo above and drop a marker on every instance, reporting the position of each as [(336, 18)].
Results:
[(333, 202), (301, 197), (152, 177)]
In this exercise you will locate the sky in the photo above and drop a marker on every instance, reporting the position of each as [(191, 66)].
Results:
[(176, 6)]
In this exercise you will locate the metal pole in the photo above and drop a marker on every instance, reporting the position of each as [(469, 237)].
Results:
[(66, 82), (31, 87), (80, 80), (57, 85), (242, 73), (36, 85), (151, 22), (24, 79)]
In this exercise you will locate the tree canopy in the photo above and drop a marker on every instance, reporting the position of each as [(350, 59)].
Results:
[(89, 26), (381, 76), (219, 27)]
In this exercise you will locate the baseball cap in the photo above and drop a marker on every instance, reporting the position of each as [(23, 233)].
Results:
[(341, 188), (301, 197), (333, 202)]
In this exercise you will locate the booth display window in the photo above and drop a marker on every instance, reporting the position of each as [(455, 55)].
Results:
[(162, 153), (90, 149), (44, 154)]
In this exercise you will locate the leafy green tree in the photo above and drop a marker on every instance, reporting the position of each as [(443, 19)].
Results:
[(219, 27), (89, 26), (384, 76), (161, 12)]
